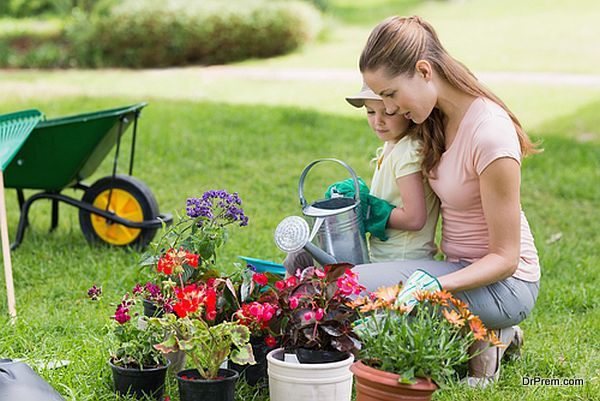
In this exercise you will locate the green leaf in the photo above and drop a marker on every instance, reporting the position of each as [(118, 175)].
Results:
[(240, 335), (243, 355)]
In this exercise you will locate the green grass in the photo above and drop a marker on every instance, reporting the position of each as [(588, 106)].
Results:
[(186, 148)]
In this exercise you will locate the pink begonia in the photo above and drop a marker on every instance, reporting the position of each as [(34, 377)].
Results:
[(308, 316), (320, 273), (293, 302), (348, 283), (319, 314)]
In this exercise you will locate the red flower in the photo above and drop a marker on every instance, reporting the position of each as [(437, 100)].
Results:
[(291, 281), (293, 302), (191, 259), (211, 304), (270, 341), (260, 279), (280, 285), (173, 260)]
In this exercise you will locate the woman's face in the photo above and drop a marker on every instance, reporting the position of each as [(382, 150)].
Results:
[(412, 97), (388, 127)]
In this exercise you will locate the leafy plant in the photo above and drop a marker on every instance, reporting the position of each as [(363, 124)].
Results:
[(134, 338), (191, 331), (428, 341), (312, 309)]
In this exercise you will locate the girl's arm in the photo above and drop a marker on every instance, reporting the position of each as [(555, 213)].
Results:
[(413, 213), (500, 197)]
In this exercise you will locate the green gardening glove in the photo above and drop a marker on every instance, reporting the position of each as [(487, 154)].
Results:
[(375, 212), (378, 214), (346, 189), (420, 280)]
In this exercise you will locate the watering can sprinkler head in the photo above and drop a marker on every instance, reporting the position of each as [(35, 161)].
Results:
[(293, 234)]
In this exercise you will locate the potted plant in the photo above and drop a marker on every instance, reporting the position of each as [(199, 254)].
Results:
[(315, 324), (138, 368), (193, 329), (252, 297), (421, 348)]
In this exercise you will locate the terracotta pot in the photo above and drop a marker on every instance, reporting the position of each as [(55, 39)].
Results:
[(376, 385)]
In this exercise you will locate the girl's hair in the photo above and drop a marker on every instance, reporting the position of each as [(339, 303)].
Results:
[(397, 44)]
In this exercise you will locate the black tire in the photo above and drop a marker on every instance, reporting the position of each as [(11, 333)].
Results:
[(134, 188)]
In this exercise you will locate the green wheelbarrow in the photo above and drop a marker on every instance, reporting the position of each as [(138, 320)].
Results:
[(60, 153)]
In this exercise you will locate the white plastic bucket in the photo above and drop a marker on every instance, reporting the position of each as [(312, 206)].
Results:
[(308, 382)]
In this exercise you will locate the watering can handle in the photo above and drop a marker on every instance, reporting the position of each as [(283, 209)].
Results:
[(303, 202)]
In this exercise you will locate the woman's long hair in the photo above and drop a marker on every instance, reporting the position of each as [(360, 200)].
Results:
[(396, 44)]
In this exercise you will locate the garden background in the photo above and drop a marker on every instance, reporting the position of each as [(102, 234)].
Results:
[(253, 125)]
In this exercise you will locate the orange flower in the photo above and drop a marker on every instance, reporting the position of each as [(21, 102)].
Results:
[(494, 340), (358, 302), (387, 295), (453, 317), (421, 295), (477, 327)]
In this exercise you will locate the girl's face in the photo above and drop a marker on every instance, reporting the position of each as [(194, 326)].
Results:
[(412, 97), (388, 127)]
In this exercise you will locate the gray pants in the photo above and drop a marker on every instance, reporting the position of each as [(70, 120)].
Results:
[(499, 305)]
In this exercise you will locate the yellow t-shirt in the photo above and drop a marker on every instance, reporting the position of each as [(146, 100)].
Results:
[(402, 160)]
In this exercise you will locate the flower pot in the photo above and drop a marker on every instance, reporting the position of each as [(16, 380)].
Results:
[(221, 389), (258, 372), (316, 382), (306, 355), (151, 309), (376, 385), (138, 382)]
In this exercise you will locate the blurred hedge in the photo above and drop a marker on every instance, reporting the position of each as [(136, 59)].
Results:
[(160, 33)]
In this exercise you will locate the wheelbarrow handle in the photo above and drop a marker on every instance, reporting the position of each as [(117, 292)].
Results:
[(303, 202)]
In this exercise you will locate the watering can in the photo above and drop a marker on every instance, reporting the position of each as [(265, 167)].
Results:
[(337, 234)]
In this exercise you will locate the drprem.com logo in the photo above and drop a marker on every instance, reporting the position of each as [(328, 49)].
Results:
[(555, 381)]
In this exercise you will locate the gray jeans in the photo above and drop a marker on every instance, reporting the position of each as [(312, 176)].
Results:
[(499, 305)]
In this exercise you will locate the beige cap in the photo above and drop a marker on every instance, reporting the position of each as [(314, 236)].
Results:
[(365, 93)]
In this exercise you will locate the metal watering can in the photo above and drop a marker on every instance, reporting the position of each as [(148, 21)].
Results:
[(336, 236)]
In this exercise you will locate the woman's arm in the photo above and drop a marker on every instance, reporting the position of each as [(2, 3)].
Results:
[(413, 213), (500, 197)]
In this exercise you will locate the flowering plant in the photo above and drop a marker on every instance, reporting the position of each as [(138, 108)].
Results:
[(252, 296), (193, 330), (429, 340), (312, 309), (134, 338)]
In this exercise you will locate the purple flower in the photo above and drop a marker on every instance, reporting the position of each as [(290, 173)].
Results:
[(94, 293), (121, 314), (218, 206)]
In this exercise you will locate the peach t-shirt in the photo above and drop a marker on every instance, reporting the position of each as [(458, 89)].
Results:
[(486, 133)]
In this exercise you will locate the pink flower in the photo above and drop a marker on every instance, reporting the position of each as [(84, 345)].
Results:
[(280, 285), (291, 281), (293, 302), (255, 309), (319, 314), (348, 283), (308, 315), (260, 279), (320, 273)]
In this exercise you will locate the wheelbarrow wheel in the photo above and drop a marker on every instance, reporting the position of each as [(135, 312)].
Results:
[(130, 199)]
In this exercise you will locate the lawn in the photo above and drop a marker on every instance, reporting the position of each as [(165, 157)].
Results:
[(254, 135)]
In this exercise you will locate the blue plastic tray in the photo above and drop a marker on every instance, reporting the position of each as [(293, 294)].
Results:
[(264, 266)]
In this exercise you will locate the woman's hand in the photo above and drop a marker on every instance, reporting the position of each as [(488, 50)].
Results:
[(500, 198)]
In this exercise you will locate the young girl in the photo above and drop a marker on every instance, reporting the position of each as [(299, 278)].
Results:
[(398, 180)]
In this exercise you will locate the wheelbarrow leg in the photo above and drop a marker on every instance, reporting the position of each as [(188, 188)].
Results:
[(21, 199), (54, 214), (24, 220)]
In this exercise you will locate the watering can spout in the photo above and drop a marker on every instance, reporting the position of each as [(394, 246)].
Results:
[(292, 234)]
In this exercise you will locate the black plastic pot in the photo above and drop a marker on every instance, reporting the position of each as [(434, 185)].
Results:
[(194, 388), (139, 383), (151, 310), (306, 355), (253, 374)]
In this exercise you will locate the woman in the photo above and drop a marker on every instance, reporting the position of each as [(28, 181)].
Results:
[(473, 147)]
